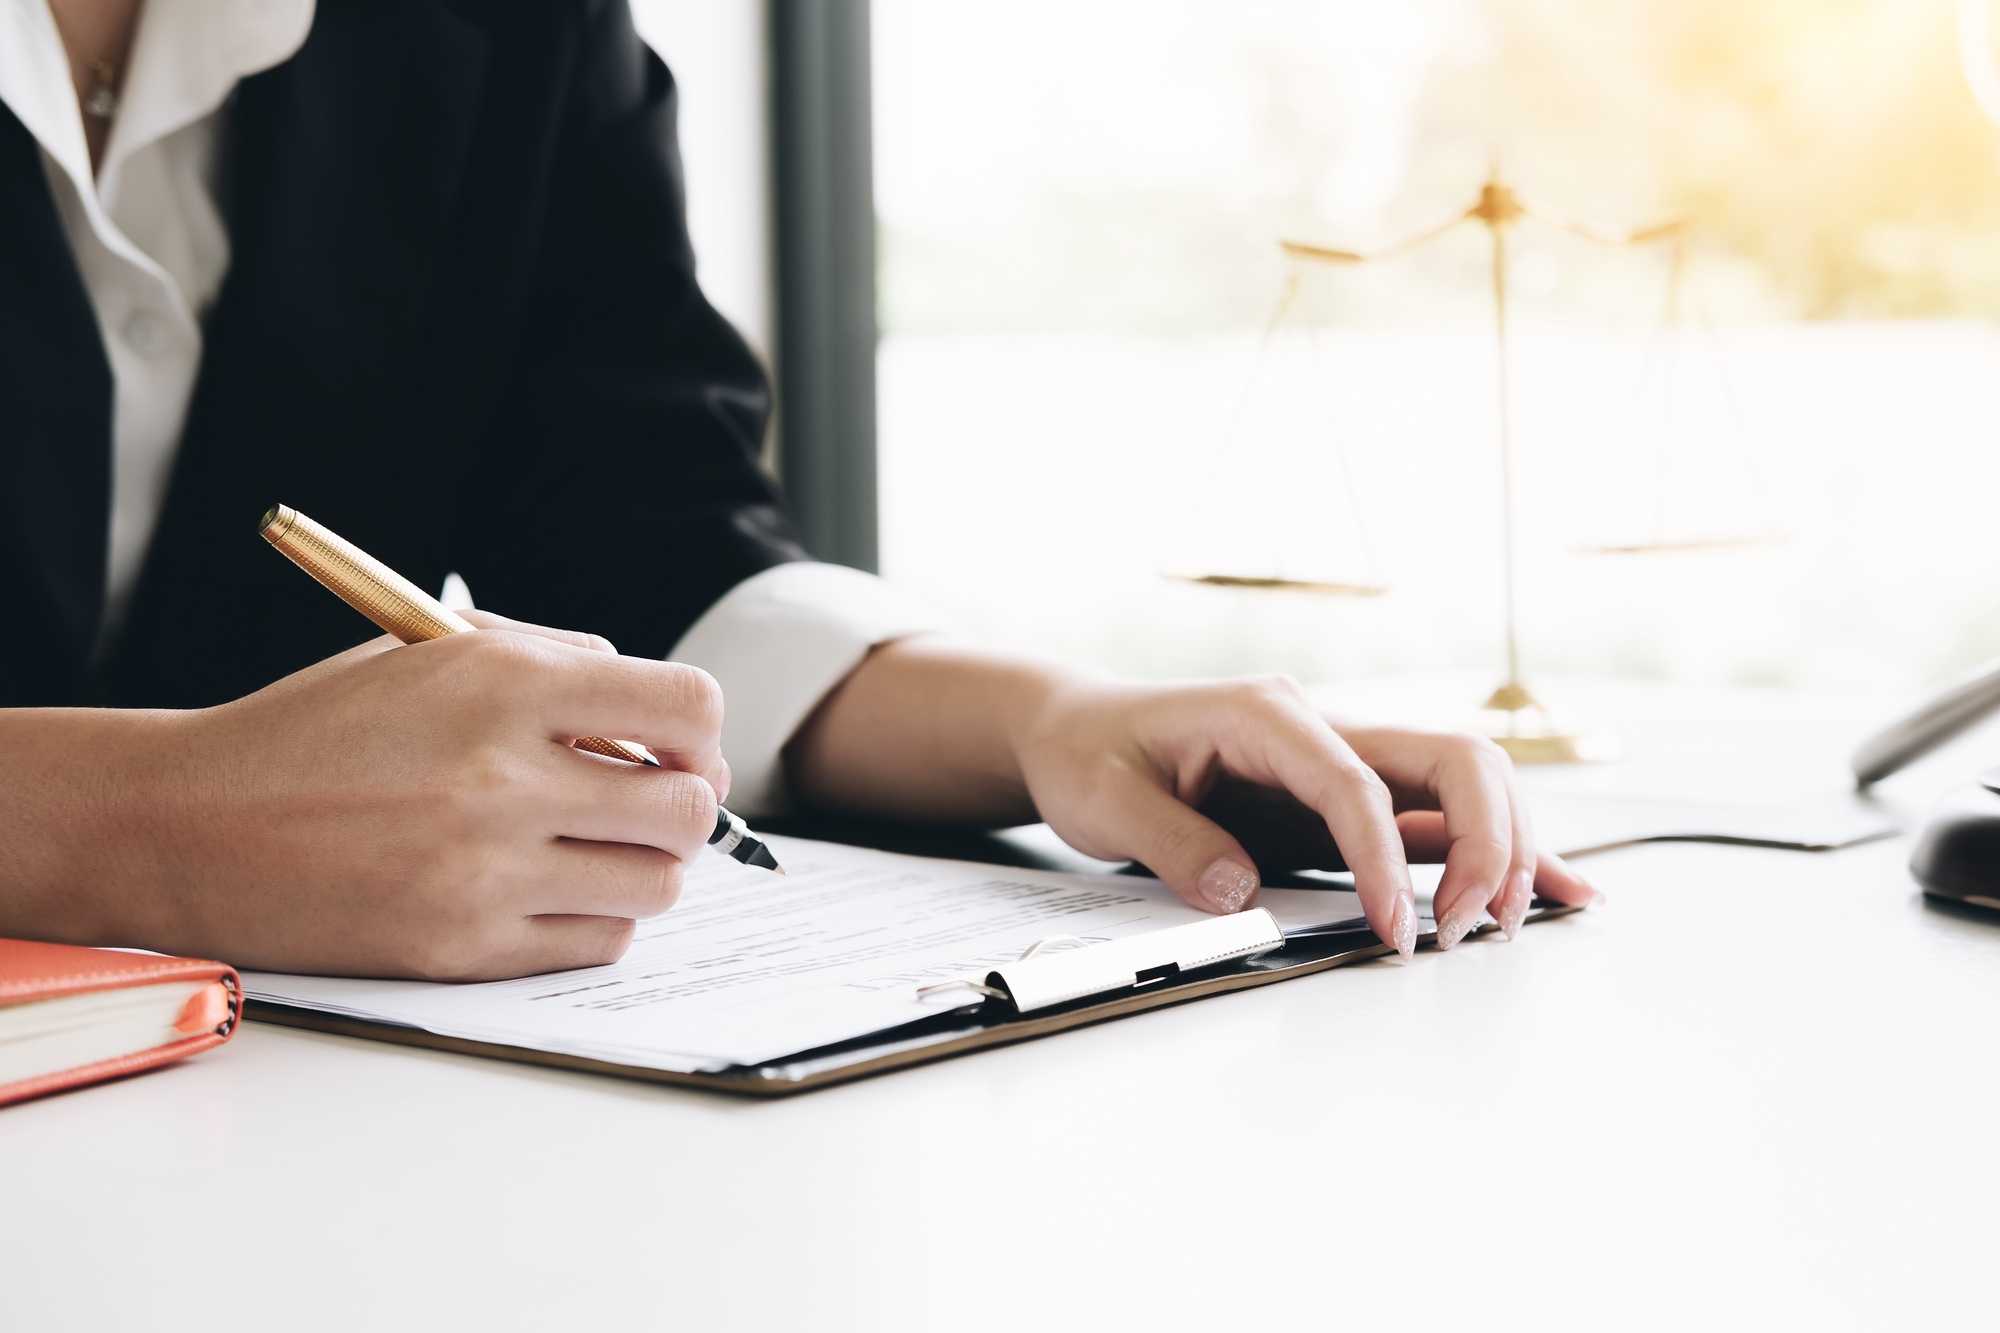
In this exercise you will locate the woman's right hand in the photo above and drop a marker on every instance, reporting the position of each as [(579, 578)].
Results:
[(393, 811)]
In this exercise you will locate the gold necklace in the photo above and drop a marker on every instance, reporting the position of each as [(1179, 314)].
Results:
[(100, 101)]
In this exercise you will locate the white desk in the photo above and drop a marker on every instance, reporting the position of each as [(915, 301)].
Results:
[(1755, 1088)]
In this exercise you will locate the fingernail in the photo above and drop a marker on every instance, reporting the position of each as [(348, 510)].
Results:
[(1227, 885), (1403, 926), (1514, 911), (1458, 923)]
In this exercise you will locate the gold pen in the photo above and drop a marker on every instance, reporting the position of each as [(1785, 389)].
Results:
[(414, 616)]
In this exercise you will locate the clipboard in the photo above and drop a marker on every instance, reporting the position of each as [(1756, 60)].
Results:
[(1053, 987)]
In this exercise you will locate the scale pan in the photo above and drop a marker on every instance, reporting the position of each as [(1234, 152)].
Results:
[(1700, 544), (1289, 585)]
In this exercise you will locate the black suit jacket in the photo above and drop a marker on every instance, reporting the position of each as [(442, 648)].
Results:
[(461, 327)]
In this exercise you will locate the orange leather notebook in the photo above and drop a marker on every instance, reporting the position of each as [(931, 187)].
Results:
[(70, 1015)]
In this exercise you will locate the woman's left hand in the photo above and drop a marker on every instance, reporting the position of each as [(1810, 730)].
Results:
[(1201, 783), (1204, 783)]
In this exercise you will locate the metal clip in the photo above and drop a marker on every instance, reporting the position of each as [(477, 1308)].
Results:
[(1049, 943), (990, 992)]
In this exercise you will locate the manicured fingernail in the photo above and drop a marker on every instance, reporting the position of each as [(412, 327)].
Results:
[(1403, 926), (1514, 911), (1227, 885), (1456, 924), (1595, 897)]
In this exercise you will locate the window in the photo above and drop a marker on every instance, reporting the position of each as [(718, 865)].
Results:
[(1080, 206)]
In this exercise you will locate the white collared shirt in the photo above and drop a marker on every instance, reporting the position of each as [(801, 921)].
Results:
[(153, 250), (145, 229)]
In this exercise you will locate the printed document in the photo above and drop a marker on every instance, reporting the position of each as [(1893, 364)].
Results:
[(750, 967)]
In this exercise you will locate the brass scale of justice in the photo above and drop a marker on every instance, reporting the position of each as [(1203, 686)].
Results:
[(1511, 715)]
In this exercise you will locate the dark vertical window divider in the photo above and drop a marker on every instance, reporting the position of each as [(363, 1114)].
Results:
[(825, 231)]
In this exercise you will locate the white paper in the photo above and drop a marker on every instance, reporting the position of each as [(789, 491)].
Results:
[(750, 967), (1573, 824)]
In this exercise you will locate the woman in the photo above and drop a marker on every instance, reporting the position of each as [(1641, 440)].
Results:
[(421, 270)]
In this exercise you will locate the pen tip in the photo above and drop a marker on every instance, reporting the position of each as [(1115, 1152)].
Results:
[(777, 870)]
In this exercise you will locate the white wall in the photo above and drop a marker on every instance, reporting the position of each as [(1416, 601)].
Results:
[(718, 52)]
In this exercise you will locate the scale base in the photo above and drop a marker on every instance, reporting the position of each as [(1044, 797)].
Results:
[(1530, 734)]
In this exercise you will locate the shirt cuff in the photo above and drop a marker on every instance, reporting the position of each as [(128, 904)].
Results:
[(778, 643)]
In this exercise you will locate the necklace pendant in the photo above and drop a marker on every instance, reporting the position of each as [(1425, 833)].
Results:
[(101, 104)]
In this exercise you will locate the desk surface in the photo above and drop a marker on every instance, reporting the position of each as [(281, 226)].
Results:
[(1756, 1086)]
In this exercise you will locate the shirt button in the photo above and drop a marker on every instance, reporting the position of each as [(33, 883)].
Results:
[(144, 335)]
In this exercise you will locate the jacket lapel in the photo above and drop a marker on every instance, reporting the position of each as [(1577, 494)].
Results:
[(343, 172), (55, 441)]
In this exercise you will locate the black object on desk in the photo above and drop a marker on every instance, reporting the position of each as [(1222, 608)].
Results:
[(1958, 849), (1029, 846)]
